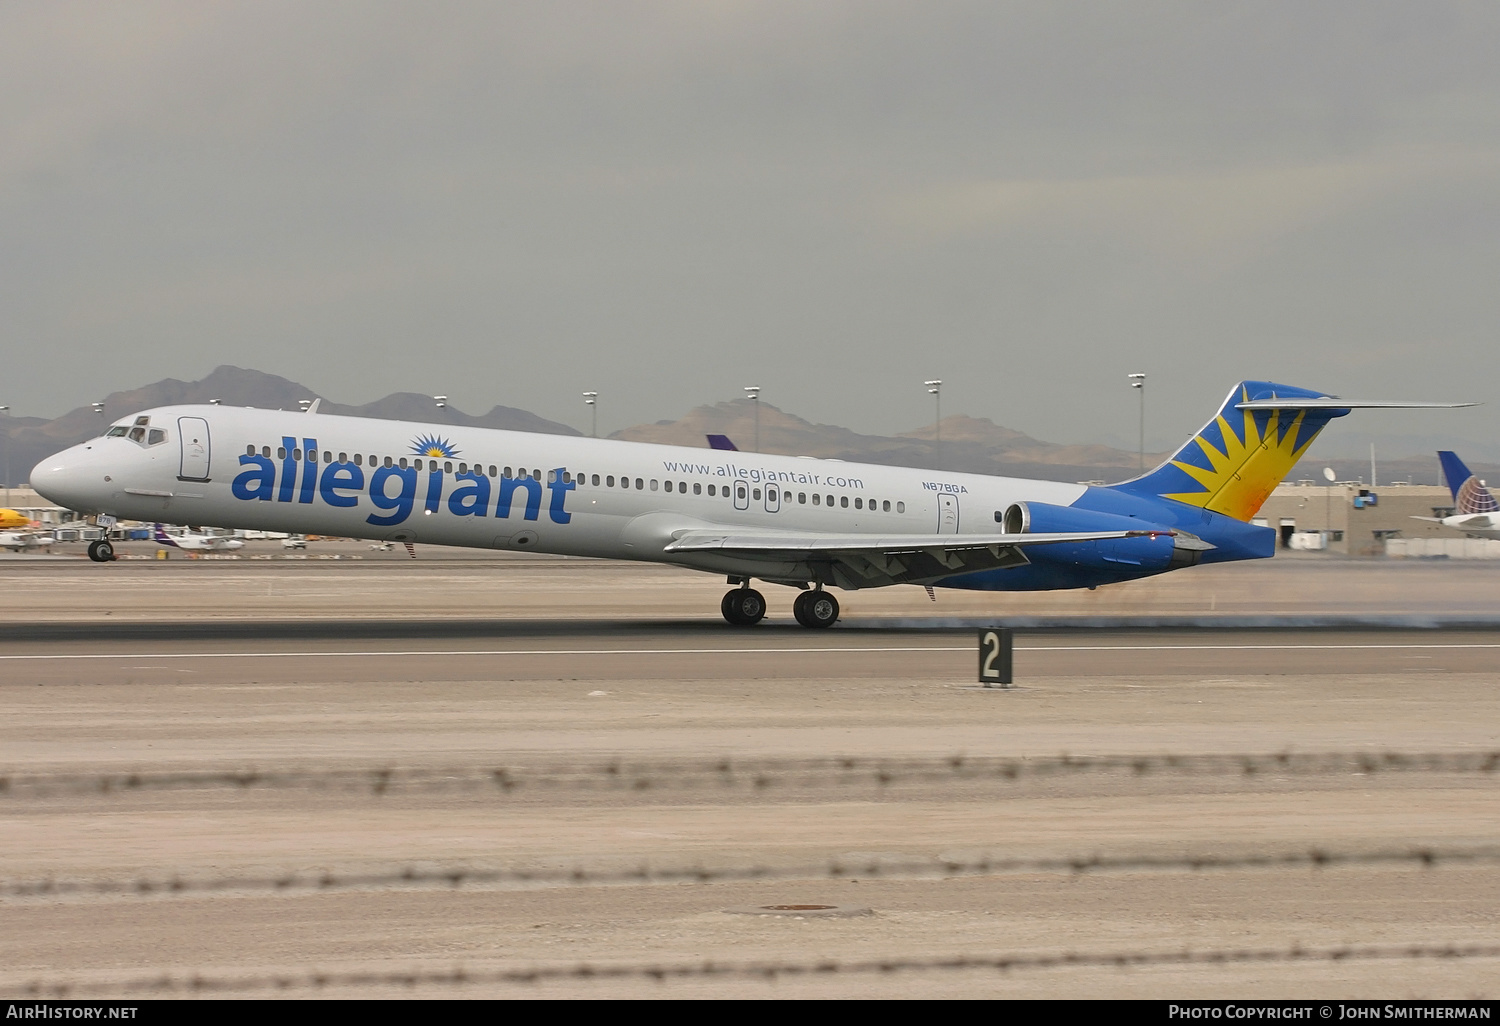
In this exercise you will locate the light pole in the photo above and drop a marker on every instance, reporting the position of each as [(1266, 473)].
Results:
[(753, 391), (591, 400), (6, 410), (935, 389), (1138, 382), (1330, 477)]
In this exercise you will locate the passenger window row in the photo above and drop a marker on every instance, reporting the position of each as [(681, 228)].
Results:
[(361, 460), (772, 494), (608, 481)]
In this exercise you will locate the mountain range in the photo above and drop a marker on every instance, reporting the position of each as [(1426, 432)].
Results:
[(963, 443)]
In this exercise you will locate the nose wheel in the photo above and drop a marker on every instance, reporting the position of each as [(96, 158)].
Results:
[(743, 607), (101, 551), (816, 609)]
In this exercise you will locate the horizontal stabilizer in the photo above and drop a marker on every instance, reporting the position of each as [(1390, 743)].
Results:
[(1335, 403)]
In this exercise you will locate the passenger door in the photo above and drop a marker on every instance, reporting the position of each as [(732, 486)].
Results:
[(947, 513), (192, 437), (773, 499), (741, 495)]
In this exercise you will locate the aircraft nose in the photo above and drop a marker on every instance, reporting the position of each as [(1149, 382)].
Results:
[(72, 480)]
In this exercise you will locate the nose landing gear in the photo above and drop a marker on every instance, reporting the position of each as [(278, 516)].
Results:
[(101, 551), (743, 607), (816, 609)]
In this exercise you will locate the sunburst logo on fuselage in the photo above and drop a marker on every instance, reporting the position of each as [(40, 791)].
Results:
[(434, 445), (1244, 466)]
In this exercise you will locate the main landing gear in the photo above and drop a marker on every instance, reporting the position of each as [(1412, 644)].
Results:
[(101, 551), (815, 609), (745, 607)]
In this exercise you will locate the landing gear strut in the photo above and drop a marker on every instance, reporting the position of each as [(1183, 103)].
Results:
[(743, 607), (101, 551), (816, 609)]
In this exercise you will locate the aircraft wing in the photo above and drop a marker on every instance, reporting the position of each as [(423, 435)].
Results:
[(866, 560)]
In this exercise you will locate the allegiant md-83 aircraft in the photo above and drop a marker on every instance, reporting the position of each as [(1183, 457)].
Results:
[(808, 523)]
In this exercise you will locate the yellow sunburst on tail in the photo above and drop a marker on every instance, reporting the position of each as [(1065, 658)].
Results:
[(1247, 471)]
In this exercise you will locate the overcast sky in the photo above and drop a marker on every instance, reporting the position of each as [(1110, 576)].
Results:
[(512, 203)]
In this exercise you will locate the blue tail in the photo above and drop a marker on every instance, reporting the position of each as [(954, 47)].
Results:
[(1233, 464), (1469, 494)]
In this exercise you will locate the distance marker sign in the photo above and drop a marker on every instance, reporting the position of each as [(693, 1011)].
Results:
[(995, 647)]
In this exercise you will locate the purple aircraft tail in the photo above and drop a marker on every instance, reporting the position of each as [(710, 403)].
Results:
[(722, 442), (161, 537)]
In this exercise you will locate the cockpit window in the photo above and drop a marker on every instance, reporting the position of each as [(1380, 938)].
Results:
[(137, 434), (156, 437), (118, 431), (142, 421)]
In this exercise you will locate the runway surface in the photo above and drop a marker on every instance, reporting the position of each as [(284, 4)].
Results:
[(607, 743), (458, 595)]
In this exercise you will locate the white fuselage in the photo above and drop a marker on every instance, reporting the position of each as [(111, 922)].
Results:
[(1483, 525), (354, 477)]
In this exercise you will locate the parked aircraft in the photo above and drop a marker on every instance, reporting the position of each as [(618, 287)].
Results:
[(195, 541), (20, 541), (808, 523), (11, 519), (1475, 510)]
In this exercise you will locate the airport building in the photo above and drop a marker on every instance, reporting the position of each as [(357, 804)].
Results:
[(26, 501), (1357, 520)]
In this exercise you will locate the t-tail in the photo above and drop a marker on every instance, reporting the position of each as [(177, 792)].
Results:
[(1469, 493), (161, 537), (1234, 463)]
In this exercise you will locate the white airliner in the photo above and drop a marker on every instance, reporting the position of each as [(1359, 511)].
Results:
[(807, 523), (20, 541), (1475, 511), (195, 541)]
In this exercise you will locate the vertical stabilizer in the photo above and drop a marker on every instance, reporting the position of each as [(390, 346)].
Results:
[(1237, 459), (1469, 493)]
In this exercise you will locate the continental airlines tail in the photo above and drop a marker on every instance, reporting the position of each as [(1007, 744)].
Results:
[(1475, 510), (1469, 493)]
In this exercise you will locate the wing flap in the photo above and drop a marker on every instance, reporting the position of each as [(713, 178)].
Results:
[(783, 543), (863, 561)]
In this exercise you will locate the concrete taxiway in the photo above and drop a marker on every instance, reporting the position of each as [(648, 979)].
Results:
[(609, 707)]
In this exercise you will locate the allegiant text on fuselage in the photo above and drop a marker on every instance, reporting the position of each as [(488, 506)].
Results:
[(392, 490)]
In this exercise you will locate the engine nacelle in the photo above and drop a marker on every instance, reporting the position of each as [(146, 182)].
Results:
[(1166, 550), (1045, 518)]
